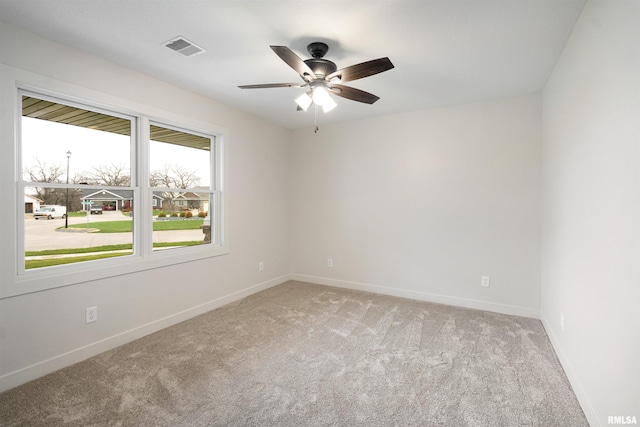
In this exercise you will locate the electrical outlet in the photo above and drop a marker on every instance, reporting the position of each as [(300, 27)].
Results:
[(485, 281), (330, 262), (562, 322), (261, 266), (91, 314)]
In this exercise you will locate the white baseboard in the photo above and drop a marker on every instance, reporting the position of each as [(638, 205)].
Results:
[(422, 296), (21, 376), (582, 397)]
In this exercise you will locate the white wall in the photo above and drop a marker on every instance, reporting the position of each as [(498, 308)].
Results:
[(591, 209), (423, 204), (42, 331)]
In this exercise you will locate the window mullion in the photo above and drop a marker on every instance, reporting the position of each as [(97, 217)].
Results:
[(144, 207), (218, 195)]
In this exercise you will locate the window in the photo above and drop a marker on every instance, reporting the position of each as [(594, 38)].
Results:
[(182, 186), (75, 161), (100, 188)]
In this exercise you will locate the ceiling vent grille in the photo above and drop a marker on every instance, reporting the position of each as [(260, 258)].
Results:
[(184, 46)]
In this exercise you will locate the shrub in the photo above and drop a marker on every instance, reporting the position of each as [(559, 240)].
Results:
[(182, 214), (188, 214), (202, 214), (161, 214)]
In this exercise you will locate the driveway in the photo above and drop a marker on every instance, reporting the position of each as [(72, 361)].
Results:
[(41, 234)]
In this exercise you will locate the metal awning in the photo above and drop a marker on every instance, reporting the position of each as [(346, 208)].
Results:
[(60, 113)]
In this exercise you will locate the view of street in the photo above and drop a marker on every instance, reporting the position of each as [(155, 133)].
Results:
[(41, 234)]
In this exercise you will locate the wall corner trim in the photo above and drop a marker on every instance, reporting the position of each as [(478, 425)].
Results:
[(581, 395)]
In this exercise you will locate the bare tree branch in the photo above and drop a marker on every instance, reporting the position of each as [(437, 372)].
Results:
[(184, 178), (113, 175), (42, 172), (161, 177), (174, 176)]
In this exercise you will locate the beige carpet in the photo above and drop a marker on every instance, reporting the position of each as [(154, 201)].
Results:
[(308, 355)]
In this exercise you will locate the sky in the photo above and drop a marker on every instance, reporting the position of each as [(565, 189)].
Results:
[(49, 142)]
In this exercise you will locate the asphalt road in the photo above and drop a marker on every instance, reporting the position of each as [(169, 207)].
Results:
[(41, 234)]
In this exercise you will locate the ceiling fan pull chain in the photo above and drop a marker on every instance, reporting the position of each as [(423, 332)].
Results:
[(315, 113)]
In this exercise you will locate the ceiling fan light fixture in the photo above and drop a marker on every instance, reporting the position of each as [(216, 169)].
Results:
[(328, 105), (304, 101), (319, 95), (322, 98)]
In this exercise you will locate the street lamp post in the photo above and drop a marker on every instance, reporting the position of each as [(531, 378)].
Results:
[(66, 215)]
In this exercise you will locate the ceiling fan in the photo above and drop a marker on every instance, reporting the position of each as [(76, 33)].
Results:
[(323, 77)]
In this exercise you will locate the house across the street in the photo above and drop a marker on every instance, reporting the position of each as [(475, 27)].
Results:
[(109, 199), (191, 200), (112, 200)]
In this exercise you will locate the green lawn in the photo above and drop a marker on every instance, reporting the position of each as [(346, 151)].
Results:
[(107, 248), (107, 253), (127, 226), (190, 224), (38, 263)]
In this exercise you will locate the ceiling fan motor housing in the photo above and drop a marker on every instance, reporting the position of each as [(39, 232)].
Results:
[(320, 67)]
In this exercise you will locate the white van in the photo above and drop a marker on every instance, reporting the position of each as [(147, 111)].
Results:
[(50, 212)]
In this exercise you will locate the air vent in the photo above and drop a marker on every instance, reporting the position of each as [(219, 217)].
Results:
[(184, 46)]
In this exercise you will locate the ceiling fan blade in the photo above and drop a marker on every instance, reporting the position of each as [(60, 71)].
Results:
[(353, 94), (294, 62), (269, 85), (364, 69)]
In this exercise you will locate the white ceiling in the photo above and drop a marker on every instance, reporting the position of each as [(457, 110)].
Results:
[(445, 52)]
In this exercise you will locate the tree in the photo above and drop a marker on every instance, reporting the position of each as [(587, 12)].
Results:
[(184, 178), (113, 175), (173, 176), (116, 175), (161, 177), (42, 172)]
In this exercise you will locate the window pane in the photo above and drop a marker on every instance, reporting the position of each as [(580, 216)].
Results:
[(187, 222), (97, 225), (71, 154), (181, 182), (179, 159), (66, 144)]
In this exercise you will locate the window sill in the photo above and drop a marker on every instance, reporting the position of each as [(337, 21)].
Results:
[(43, 279)]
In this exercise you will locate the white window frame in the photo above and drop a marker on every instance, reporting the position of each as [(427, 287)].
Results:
[(143, 257), (215, 200)]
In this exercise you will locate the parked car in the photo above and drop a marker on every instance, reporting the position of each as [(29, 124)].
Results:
[(50, 212), (96, 210)]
